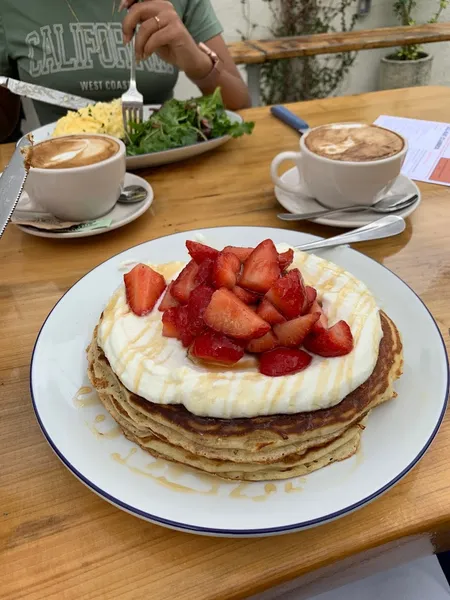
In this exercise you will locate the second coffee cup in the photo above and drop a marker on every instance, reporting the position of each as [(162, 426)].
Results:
[(344, 163)]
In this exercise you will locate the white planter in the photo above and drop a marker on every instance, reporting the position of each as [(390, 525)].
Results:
[(405, 73)]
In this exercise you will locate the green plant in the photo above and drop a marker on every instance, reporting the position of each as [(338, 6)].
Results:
[(403, 9), (307, 77)]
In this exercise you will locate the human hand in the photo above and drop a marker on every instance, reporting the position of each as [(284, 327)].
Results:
[(162, 31)]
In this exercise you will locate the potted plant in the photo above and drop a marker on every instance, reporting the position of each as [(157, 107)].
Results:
[(410, 65)]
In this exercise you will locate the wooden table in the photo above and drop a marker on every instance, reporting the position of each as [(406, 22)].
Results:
[(58, 539)]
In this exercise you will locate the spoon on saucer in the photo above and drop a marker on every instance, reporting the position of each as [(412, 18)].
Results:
[(132, 194), (386, 205)]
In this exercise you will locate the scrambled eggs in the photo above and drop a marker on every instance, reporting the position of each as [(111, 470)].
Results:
[(102, 117)]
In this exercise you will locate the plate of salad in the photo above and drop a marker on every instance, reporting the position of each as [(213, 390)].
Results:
[(175, 131)]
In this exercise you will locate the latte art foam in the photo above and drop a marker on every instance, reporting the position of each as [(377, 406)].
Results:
[(71, 152), (354, 142)]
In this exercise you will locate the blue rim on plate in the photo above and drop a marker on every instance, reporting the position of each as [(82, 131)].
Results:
[(240, 532)]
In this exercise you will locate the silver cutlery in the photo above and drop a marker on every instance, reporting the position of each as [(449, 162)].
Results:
[(382, 228), (132, 100), (11, 184), (386, 205), (43, 94), (132, 194)]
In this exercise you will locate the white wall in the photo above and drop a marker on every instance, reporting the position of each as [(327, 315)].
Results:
[(363, 76)]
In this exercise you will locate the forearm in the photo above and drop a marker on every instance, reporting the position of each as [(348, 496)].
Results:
[(235, 93)]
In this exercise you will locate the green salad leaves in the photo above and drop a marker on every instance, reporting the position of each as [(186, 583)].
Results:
[(182, 123)]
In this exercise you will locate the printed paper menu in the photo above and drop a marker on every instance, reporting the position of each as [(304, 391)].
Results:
[(428, 157)]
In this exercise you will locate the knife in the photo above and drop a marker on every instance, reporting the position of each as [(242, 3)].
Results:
[(37, 92), (11, 184), (288, 117)]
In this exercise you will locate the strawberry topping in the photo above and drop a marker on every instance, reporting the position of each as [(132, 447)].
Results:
[(185, 282), (292, 333), (213, 347), (241, 253), (225, 303), (288, 294), (283, 361), (168, 300), (246, 296), (200, 252), (229, 315), (269, 313), (263, 344), (143, 287), (285, 259), (322, 322), (261, 269), (226, 269), (336, 341)]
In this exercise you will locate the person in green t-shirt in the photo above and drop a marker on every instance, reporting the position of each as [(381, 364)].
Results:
[(81, 47)]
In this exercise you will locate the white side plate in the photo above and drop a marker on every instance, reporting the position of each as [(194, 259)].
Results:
[(155, 159)]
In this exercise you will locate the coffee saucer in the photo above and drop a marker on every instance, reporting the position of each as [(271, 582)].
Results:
[(120, 215), (299, 203)]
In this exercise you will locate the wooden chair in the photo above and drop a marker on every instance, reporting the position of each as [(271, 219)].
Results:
[(254, 53)]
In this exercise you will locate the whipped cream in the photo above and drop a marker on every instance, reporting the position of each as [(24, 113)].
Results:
[(158, 369)]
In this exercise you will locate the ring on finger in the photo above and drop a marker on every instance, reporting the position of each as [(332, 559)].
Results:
[(158, 22)]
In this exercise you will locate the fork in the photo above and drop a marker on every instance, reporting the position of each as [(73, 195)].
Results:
[(132, 100)]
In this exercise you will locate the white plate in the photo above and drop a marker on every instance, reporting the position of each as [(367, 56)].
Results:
[(121, 214), (397, 435), (296, 203), (155, 159)]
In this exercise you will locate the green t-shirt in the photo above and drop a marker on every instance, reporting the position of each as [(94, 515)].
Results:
[(76, 46)]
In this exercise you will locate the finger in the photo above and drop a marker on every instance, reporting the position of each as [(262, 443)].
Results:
[(161, 38), (146, 30), (137, 14), (125, 4)]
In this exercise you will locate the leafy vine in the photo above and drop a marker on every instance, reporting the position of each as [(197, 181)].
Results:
[(308, 77)]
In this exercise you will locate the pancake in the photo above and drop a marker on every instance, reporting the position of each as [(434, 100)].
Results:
[(258, 448)]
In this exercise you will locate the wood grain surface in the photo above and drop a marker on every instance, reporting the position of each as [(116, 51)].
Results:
[(260, 51), (58, 540)]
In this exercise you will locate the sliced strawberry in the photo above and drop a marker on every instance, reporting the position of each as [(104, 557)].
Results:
[(168, 300), (322, 323), (285, 259), (292, 333), (288, 294), (241, 253), (170, 322), (246, 296), (269, 313), (199, 252), (261, 268), (185, 282), (283, 361), (310, 298), (212, 347), (263, 344), (184, 326), (205, 272), (198, 301), (225, 270), (336, 341), (229, 315), (143, 287)]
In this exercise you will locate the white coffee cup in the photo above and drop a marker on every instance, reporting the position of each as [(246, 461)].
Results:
[(337, 183), (79, 193)]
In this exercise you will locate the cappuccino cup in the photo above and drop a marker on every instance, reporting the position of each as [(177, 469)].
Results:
[(76, 177), (344, 163)]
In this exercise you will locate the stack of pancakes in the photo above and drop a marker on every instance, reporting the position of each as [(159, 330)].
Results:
[(253, 449)]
